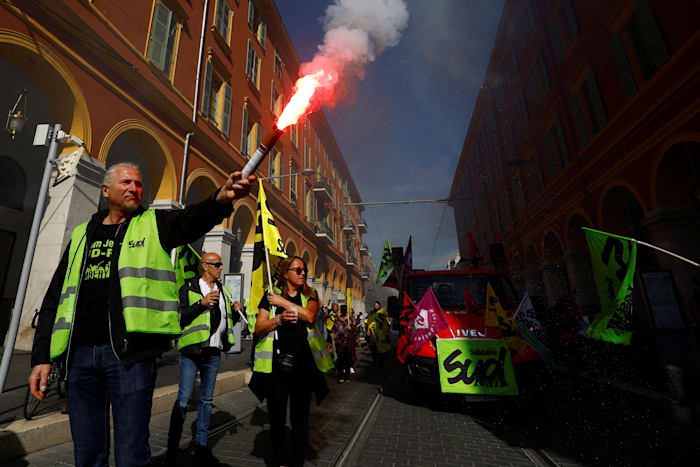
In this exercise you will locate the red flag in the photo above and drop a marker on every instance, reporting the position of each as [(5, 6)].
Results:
[(427, 321), (392, 281), (473, 248), (404, 346)]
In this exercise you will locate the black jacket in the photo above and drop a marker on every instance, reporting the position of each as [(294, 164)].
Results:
[(175, 228), (189, 313)]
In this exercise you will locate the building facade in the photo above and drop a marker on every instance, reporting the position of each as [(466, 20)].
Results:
[(588, 117), (186, 90)]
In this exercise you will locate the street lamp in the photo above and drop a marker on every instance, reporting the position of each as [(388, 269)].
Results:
[(16, 118), (518, 162), (44, 136), (303, 172)]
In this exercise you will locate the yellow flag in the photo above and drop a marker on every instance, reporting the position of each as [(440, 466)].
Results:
[(265, 233), (348, 298), (496, 316), (271, 235)]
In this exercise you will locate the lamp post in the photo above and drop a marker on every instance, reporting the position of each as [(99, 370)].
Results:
[(16, 117), (43, 136)]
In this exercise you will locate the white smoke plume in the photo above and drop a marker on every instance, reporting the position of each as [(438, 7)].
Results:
[(356, 31)]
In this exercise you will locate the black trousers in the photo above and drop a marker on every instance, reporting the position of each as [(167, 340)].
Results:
[(343, 363), (294, 387)]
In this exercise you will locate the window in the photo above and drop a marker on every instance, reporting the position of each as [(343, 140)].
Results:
[(278, 65), (567, 20), (252, 67), (163, 40), (217, 96), (275, 100), (293, 184), (293, 134), (318, 142), (222, 21), (309, 208), (588, 110), (275, 168), (555, 147), (257, 23), (250, 131), (539, 79), (307, 156)]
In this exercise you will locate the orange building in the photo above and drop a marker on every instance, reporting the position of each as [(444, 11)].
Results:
[(588, 117), (184, 89)]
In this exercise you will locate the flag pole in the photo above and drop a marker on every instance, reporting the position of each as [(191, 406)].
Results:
[(667, 252)]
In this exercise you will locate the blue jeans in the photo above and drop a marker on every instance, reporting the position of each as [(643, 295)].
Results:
[(97, 379), (208, 366)]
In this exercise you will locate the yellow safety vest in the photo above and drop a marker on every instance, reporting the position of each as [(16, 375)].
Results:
[(199, 329)]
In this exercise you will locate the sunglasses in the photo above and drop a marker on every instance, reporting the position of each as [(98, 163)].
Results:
[(299, 271), (216, 265)]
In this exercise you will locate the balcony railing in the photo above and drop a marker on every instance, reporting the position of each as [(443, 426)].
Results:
[(362, 226), (366, 275), (349, 228), (323, 231), (364, 250), (322, 190), (350, 259)]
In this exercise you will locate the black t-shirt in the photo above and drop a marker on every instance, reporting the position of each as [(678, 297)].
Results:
[(91, 326), (291, 337)]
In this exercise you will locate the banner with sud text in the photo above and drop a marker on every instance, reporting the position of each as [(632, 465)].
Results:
[(613, 258), (476, 366)]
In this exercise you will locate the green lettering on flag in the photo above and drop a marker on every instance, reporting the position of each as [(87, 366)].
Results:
[(613, 259), (387, 261), (476, 366)]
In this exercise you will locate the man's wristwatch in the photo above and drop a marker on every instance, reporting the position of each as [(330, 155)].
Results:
[(277, 320)]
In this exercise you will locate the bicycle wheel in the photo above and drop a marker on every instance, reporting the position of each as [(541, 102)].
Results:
[(31, 405)]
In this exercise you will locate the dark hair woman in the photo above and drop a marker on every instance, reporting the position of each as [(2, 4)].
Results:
[(290, 356)]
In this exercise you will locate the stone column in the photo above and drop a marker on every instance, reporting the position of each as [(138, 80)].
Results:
[(555, 281), (165, 204), (580, 272), (69, 204), (219, 240), (246, 269)]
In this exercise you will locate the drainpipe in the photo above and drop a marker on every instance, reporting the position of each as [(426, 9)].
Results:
[(196, 102)]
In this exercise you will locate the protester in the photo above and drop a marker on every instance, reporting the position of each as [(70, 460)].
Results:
[(370, 338), (207, 319), (99, 313), (290, 357), (378, 330), (342, 336)]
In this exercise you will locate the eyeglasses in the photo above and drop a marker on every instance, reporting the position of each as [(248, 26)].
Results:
[(299, 271), (216, 265)]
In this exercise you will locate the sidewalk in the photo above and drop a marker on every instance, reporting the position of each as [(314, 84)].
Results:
[(49, 427)]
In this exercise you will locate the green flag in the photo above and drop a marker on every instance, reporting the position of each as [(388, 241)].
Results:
[(387, 261), (613, 259), (475, 366)]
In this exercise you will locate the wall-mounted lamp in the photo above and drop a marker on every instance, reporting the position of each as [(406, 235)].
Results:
[(16, 118)]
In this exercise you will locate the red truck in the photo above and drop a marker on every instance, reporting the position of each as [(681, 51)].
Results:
[(462, 297)]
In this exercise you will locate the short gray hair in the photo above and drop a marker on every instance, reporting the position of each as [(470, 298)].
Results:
[(109, 175)]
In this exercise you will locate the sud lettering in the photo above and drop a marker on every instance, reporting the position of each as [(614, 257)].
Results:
[(488, 373)]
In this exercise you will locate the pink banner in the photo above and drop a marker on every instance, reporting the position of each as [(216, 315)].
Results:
[(426, 322)]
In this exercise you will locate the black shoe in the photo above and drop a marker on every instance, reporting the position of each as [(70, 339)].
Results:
[(171, 458), (204, 457)]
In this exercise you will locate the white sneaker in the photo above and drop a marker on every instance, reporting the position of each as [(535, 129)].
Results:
[(352, 371)]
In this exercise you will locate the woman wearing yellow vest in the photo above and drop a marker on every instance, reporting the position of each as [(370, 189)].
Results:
[(290, 357)]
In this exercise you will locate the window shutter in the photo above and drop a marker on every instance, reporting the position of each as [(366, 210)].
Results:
[(159, 35), (598, 106), (543, 68), (258, 136), (249, 60), (556, 41), (550, 154), (244, 132), (219, 21), (563, 150), (652, 36), (263, 32), (570, 17), (578, 119), (623, 66), (226, 112), (206, 91), (251, 14)]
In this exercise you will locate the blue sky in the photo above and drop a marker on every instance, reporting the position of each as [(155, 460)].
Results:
[(402, 134)]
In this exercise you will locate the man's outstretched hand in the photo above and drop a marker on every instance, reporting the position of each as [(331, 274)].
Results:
[(235, 188)]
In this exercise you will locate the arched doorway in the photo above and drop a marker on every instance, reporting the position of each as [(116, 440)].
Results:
[(243, 228), (136, 142), (291, 248), (578, 265), (199, 188), (554, 269)]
